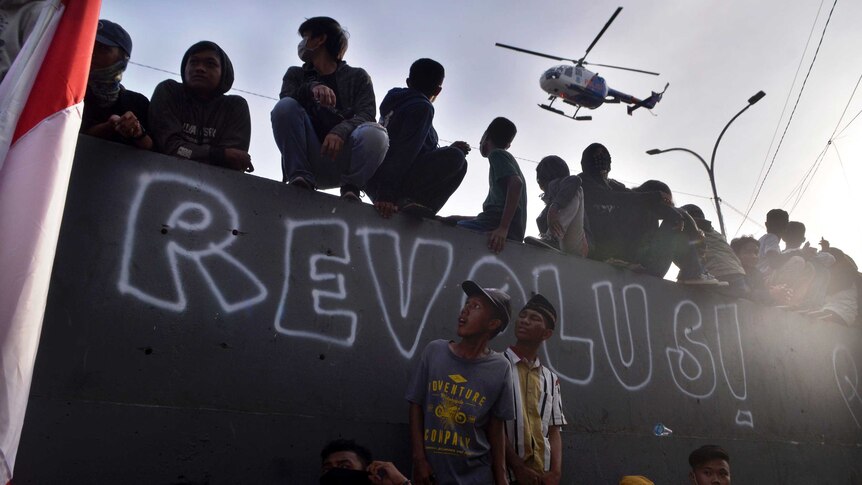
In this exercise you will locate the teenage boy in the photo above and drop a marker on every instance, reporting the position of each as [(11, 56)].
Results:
[(111, 111), (770, 248), (460, 397), (710, 465), (195, 120), (416, 176), (504, 212), (718, 257), (561, 223), (324, 122), (534, 448)]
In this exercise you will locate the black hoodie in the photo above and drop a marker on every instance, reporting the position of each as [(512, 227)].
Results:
[(407, 115), (186, 126)]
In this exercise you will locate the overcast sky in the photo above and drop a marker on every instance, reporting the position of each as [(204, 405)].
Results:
[(715, 55)]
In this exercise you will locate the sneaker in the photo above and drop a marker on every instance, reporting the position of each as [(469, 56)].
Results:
[(302, 183), (704, 279), (541, 243), (351, 193), (416, 209)]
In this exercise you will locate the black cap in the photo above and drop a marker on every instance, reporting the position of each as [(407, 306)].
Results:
[(498, 298), (111, 34), (541, 304)]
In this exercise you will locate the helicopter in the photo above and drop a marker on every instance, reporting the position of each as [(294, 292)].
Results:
[(582, 88)]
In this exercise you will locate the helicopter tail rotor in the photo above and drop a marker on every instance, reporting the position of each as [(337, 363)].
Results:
[(650, 102)]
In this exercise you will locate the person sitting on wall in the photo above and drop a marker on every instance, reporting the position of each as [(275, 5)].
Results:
[(324, 123), (624, 223), (562, 224), (676, 239), (504, 212), (416, 175), (345, 462), (710, 465), (534, 446), (802, 268), (195, 120), (746, 249), (718, 258), (770, 243), (111, 111), (460, 397), (841, 301)]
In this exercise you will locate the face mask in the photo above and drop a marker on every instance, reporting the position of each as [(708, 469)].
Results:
[(104, 84), (343, 476), (599, 163), (303, 51)]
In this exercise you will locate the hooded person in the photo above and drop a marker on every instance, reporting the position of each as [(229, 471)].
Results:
[(111, 111), (416, 175), (195, 119)]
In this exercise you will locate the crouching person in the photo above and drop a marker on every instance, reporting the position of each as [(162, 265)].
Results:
[(324, 123)]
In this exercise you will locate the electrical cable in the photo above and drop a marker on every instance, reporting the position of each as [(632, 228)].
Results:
[(792, 112), (786, 100)]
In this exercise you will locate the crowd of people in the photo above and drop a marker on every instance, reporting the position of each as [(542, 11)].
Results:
[(326, 129), (476, 416)]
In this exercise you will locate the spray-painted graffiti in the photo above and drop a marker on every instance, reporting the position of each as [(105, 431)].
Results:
[(326, 293), (423, 291), (199, 230), (847, 378)]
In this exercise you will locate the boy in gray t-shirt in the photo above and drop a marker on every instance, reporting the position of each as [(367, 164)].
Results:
[(460, 398)]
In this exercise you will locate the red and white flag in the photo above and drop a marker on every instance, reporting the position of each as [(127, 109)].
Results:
[(41, 99)]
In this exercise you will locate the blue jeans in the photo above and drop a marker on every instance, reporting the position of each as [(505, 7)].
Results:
[(485, 226), (294, 134)]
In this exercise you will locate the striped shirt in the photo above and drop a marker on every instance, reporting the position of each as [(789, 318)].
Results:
[(537, 408)]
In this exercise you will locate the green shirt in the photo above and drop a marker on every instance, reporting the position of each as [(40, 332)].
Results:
[(502, 166)]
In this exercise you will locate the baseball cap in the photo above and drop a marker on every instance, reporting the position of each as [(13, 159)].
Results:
[(111, 34), (498, 298), (541, 304)]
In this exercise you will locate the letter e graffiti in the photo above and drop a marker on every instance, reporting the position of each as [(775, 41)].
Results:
[(324, 287)]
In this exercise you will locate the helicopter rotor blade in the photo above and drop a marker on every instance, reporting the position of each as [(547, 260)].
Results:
[(622, 68), (525, 51), (608, 24)]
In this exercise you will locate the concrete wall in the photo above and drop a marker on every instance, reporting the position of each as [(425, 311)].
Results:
[(205, 326)]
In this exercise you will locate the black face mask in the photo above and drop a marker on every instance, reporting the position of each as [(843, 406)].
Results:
[(343, 476), (598, 164)]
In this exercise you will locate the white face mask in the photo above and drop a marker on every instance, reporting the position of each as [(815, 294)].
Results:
[(303, 51)]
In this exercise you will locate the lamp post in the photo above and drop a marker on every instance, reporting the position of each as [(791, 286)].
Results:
[(710, 168)]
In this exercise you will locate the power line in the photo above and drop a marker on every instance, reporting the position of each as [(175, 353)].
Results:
[(818, 163), (792, 112), (178, 75), (745, 217), (848, 124), (787, 99)]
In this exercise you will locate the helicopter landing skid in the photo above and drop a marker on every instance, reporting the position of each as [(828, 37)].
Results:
[(561, 113)]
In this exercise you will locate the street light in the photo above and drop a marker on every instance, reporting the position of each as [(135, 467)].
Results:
[(710, 169)]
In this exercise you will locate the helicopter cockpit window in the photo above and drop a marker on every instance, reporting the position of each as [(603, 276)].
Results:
[(553, 73), (569, 71)]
